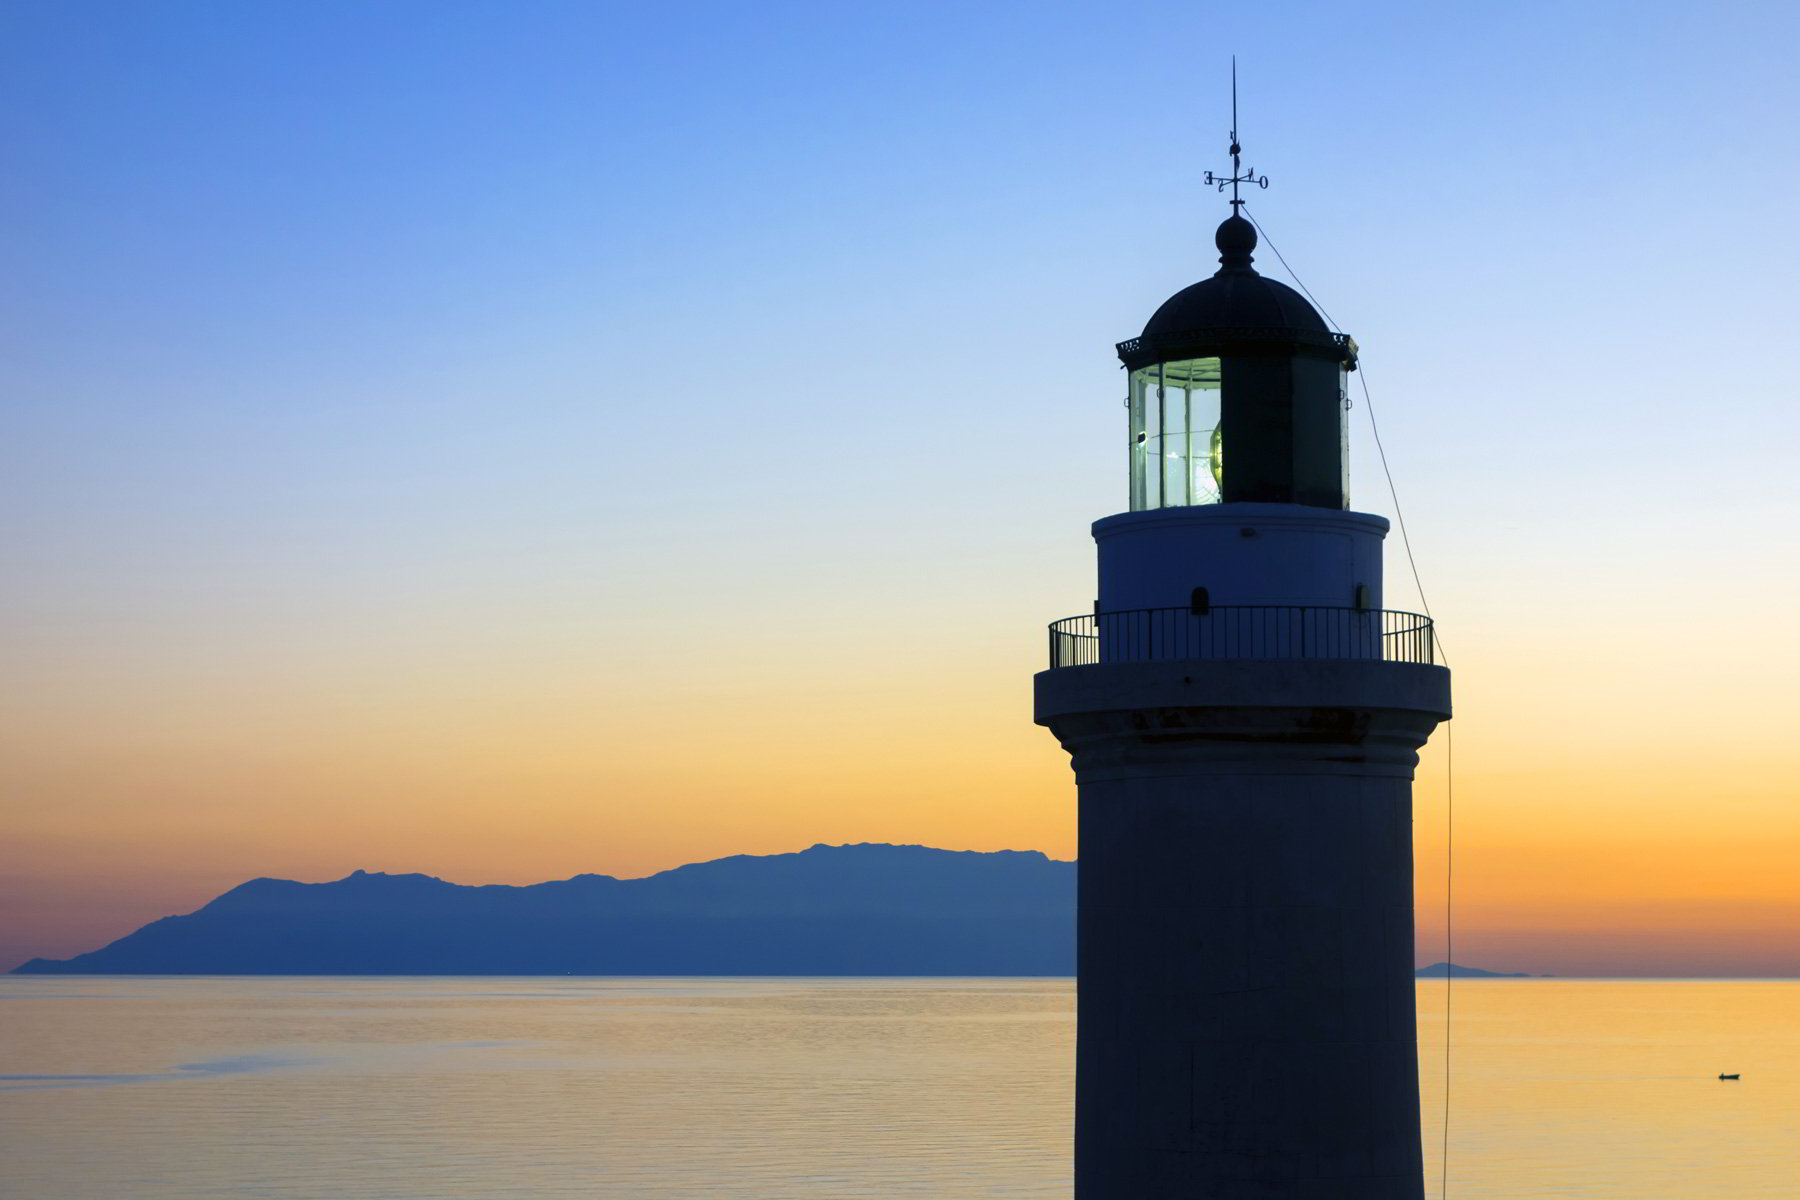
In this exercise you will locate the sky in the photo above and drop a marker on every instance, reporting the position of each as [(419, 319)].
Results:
[(508, 440)]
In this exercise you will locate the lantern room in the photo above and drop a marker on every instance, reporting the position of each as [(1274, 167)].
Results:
[(1237, 393)]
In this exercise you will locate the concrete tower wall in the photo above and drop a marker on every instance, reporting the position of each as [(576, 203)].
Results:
[(1242, 554), (1246, 1016)]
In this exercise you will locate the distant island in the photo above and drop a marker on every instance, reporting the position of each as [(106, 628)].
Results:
[(830, 910), (869, 909)]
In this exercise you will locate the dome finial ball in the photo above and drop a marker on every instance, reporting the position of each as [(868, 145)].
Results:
[(1236, 238)]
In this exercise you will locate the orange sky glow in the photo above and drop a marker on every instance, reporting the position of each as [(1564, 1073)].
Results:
[(455, 450)]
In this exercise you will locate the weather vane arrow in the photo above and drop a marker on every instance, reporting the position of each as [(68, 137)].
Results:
[(1238, 174)]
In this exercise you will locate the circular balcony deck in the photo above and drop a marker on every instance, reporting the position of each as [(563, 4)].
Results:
[(1229, 632)]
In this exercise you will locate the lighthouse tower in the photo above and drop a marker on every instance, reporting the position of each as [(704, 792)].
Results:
[(1244, 719)]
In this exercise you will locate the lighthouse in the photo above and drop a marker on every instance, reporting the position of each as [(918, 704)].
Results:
[(1243, 717)]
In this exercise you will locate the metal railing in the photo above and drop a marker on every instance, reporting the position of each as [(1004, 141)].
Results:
[(1241, 631)]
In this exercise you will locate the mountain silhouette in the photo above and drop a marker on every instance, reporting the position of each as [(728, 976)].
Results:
[(831, 910), (1439, 970)]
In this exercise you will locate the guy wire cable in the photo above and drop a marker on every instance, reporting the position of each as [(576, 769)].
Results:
[(1449, 729)]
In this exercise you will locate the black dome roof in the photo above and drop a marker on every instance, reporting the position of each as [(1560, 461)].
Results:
[(1235, 306)]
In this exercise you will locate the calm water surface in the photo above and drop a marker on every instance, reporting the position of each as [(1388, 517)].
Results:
[(138, 1088)]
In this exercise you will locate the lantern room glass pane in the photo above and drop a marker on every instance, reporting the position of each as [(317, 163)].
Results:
[(1343, 376), (1174, 434)]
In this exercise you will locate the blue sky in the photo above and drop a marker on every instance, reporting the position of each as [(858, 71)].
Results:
[(545, 357)]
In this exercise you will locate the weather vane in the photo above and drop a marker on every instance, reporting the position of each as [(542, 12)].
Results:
[(1238, 174)]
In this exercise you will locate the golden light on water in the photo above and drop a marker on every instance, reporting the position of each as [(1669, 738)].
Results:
[(813, 1088)]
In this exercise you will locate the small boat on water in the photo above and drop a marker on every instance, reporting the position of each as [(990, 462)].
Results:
[(1728, 1077)]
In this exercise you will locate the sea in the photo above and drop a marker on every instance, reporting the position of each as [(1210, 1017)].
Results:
[(285, 1088)]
